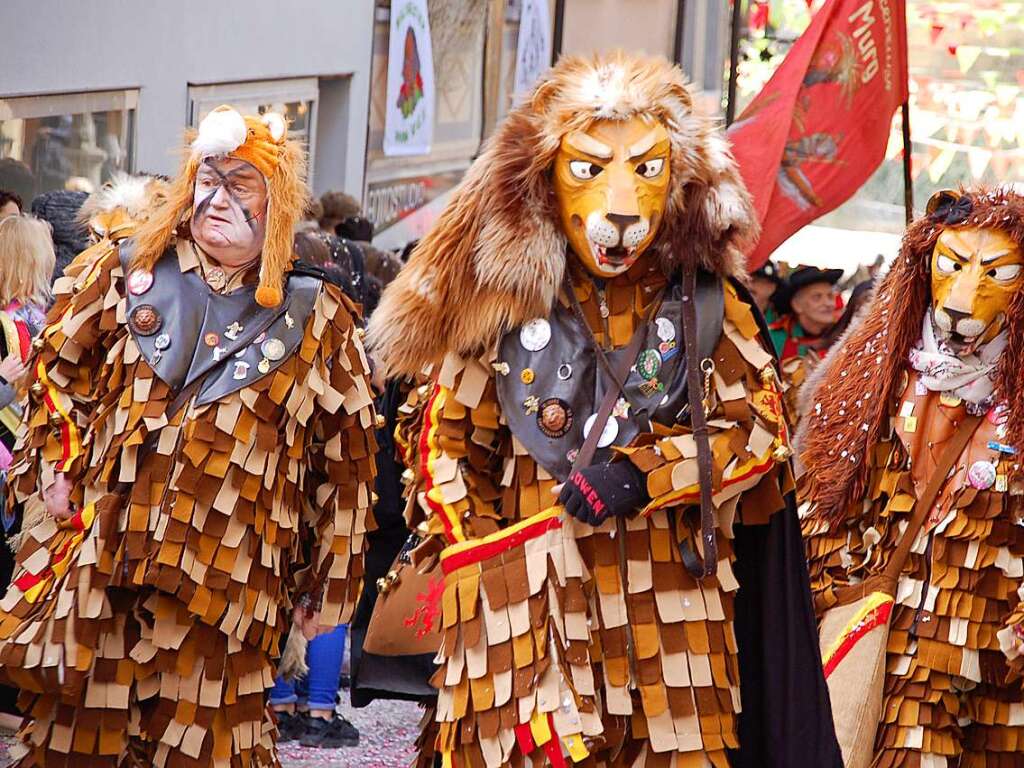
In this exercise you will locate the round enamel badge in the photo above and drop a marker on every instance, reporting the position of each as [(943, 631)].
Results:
[(554, 417), (666, 331), (608, 434), (648, 364), (145, 320), (535, 335), (272, 349), (140, 281), (982, 475)]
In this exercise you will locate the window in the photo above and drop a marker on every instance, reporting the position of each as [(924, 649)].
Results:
[(66, 141), (295, 98)]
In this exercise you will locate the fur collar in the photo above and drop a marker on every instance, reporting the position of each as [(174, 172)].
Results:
[(496, 255)]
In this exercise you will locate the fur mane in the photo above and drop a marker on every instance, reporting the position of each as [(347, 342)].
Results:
[(496, 255), (850, 408), (136, 195)]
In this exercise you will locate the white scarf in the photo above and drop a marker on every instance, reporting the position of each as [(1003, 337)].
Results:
[(969, 377)]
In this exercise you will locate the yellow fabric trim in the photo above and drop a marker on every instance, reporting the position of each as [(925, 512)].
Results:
[(874, 600), (577, 748), (435, 495), (539, 728)]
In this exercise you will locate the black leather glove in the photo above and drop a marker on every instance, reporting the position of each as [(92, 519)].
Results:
[(595, 493)]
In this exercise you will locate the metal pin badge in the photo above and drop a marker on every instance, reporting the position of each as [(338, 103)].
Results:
[(665, 329), (272, 349), (288, 321), (233, 330), (982, 475), (263, 366), (218, 353), (140, 281), (145, 320), (241, 370), (535, 335)]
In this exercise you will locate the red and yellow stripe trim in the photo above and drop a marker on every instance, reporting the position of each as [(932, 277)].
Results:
[(469, 552), (66, 543), (874, 613), (70, 439), (430, 453), (691, 493)]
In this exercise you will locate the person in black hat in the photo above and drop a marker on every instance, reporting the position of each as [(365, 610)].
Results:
[(806, 302), (764, 282)]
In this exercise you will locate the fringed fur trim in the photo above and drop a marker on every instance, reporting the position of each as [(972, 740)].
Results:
[(496, 255), (851, 406), (137, 195)]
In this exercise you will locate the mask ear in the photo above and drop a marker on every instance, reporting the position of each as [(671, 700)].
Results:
[(944, 197)]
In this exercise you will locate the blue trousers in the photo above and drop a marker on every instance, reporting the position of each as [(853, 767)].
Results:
[(319, 689)]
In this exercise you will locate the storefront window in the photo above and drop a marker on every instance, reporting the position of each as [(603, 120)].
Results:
[(966, 99), (65, 141), (295, 99)]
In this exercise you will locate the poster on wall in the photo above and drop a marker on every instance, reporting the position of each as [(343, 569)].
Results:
[(533, 52), (409, 122)]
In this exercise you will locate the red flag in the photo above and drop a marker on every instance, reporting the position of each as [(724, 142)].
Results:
[(820, 126)]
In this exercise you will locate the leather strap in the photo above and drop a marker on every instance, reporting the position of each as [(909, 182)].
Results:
[(698, 421), (887, 580), (589, 448), (618, 375)]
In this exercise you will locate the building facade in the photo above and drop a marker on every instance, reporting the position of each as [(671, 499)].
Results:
[(93, 87)]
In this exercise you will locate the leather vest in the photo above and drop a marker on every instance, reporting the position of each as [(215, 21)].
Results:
[(185, 330), (553, 383)]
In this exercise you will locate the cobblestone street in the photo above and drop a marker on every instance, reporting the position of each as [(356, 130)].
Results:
[(387, 730)]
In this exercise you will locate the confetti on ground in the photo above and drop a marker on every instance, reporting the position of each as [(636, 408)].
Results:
[(387, 730)]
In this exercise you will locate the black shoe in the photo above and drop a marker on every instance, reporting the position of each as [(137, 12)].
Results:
[(290, 726), (329, 734)]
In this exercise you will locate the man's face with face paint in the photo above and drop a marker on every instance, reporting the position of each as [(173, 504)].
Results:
[(229, 210)]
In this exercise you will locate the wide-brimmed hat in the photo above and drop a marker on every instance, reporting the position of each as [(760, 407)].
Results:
[(768, 271), (799, 278)]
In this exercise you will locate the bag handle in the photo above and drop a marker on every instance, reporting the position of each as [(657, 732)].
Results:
[(888, 579)]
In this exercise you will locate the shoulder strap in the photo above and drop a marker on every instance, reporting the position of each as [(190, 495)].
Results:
[(947, 459), (699, 568), (888, 580), (589, 448)]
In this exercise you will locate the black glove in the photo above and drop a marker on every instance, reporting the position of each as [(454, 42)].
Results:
[(595, 493)]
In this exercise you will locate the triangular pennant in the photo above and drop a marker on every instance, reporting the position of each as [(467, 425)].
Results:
[(966, 55), (1006, 94), (978, 160), (937, 168), (934, 32)]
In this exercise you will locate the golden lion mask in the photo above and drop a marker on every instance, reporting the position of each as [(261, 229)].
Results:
[(975, 273), (611, 185)]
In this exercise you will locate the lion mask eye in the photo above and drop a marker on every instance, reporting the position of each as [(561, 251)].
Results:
[(651, 168), (1005, 272), (946, 264), (584, 169)]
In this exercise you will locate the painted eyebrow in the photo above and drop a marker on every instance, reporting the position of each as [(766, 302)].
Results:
[(589, 145), (995, 256), (953, 251), (645, 145)]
